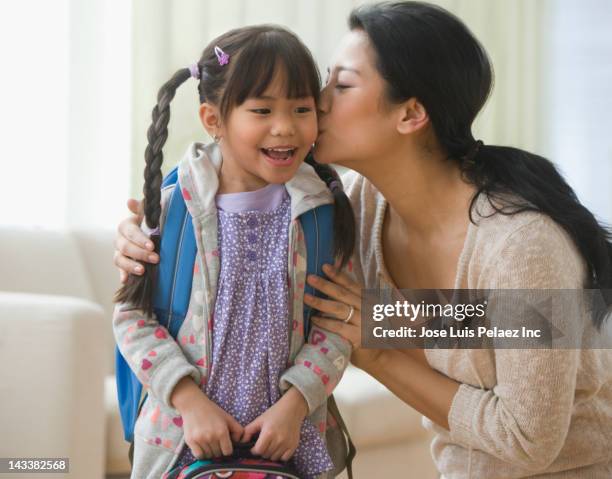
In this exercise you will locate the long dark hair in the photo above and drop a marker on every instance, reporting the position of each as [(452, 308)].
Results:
[(255, 52), (425, 52)]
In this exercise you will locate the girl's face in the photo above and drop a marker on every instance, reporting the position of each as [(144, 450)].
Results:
[(354, 122), (265, 139)]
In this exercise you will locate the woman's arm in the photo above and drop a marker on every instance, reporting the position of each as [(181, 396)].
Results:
[(524, 419), (431, 395)]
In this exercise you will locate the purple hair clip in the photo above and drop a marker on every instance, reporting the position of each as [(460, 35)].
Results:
[(155, 232), (221, 56), (335, 185), (194, 68)]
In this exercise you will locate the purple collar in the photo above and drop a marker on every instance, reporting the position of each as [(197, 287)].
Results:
[(267, 198)]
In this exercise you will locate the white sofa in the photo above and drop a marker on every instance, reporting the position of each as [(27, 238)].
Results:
[(56, 367)]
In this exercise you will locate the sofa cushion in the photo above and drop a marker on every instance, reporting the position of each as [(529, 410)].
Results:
[(35, 260), (52, 380)]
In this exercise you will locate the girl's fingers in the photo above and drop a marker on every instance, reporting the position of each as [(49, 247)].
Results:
[(250, 430), (342, 278), (201, 451), (226, 445), (262, 445), (278, 453), (287, 455), (271, 449), (215, 447), (235, 429)]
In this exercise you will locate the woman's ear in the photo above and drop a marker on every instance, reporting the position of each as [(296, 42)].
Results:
[(412, 117), (211, 119)]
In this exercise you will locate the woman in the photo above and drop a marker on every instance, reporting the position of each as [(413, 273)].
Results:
[(437, 209)]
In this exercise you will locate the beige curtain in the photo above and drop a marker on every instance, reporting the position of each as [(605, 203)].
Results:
[(170, 34)]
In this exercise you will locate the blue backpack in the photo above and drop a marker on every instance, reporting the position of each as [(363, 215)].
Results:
[(177, 256)]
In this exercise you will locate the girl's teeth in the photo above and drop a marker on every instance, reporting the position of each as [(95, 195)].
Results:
[(279, 154)]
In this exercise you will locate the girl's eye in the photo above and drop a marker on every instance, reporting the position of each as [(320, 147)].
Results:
[(261, 111), (303, 109), (339, 86)]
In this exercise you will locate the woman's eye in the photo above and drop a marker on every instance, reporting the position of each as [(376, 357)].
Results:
[(261, 111), (340, 86)]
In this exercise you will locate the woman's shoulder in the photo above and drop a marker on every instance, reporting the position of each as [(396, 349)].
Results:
[(502, 222), (524, 240)]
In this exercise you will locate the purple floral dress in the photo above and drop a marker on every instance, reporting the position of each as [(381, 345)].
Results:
[(250, 335)]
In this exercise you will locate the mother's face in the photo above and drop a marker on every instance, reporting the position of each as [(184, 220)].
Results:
[(354, 123)]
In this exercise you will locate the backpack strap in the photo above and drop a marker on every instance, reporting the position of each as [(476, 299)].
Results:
[(177, 253), (332, 407), (177, 256), (318, 226)]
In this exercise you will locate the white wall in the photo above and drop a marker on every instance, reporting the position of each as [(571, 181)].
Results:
[(80, 80)]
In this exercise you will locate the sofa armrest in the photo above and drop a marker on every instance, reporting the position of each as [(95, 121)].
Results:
[(52, 366)]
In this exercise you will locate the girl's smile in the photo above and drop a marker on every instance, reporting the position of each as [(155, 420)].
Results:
[(280, 156)]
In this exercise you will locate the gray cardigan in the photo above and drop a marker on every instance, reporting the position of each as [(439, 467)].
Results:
[(317, 363)]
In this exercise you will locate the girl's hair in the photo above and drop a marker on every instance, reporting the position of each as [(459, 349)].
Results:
[(425, 52), (255, 53)]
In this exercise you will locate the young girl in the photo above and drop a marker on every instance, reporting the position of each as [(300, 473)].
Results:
[(240, 368)]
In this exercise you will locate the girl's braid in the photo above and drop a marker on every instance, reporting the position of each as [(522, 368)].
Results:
[(344, 219), (138, 291)]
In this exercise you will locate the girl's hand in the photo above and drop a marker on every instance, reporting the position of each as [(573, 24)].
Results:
[(206, 426), (209, 430), (344, 293), (279, 427), (131, 244)]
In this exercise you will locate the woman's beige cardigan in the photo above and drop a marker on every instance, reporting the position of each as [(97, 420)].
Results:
[(518, 413)]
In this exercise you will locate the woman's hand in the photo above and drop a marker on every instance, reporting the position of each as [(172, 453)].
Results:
[(342, 311), (279, 427), (131, 244)]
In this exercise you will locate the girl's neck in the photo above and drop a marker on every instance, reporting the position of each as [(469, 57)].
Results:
[(425, 191), (234, 183)]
